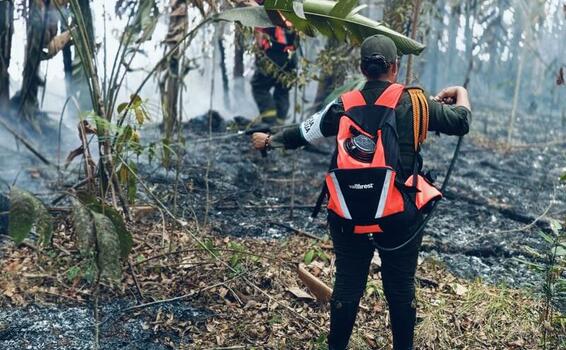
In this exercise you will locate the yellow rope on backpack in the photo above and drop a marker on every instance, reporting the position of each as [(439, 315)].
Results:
[(420, 116), (425, 116), (416, 117)]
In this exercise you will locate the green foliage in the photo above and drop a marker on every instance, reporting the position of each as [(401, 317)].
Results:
[(350, 85), (237, 255), (145, 20), (374, 288), (84, 228), (136, 105), (314, 253), (127, 176), (73, 273), (124, 236), (339, 20), (320, 343), (102, 237), (254, 16), (108, 247), (551, 266), (210, 246), (27, 212)]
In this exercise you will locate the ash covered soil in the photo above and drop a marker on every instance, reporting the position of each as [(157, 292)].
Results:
[(493, 209), (496, 203)]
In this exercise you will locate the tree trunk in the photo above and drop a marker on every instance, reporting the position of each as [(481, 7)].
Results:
[(414, 27), (452, 52), (6, 31), (79, 85), (28, 103), (395, 12), (470, 14), (436, 37), (170, 85), (513, 116), (223, 69), (238, 52)]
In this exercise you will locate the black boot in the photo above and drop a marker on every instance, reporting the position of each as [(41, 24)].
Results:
[(342, 319)]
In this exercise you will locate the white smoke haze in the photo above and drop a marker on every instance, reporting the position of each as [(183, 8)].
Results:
[(197, 85)]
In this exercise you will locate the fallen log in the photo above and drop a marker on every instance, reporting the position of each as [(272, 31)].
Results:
[(318, 288)]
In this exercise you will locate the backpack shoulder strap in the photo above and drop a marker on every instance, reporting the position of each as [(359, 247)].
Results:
[(353, 99), (390, 97), (419, 104)]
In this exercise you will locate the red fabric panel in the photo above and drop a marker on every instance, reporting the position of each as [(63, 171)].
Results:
[(353, 99), (395, 203), (390, 97), (379, 155), (427, 192), (280, 36), (360, 230)]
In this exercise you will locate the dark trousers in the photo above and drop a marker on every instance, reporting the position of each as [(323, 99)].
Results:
[(278, 102), (353, 256)]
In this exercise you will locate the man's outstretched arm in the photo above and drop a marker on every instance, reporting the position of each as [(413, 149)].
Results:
[(323, 123)]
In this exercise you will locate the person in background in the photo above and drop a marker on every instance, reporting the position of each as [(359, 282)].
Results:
[(278, 55), (449, 112)]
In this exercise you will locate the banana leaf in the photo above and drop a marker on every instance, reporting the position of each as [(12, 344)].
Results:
[(252, 16), (339, 20)]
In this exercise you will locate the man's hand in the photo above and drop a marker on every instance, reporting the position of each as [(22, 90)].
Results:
[(454, 95), (260, 140)]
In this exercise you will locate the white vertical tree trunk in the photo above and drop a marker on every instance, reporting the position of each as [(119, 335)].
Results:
[(518, 79)]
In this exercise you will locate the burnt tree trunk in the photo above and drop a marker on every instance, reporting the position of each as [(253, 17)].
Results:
[(239, 50), (223, 69), (35, 36), (6, 31)]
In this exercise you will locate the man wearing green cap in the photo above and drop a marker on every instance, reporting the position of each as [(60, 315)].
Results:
[(450, 113)]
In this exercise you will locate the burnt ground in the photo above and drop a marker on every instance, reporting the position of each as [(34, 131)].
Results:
[(71, 327), (480, 230), (491, 210)]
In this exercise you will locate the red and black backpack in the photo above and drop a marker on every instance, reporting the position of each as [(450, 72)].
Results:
[(365, 185)]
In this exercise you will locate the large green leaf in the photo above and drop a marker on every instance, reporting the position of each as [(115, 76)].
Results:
[(343, 8), (84, 228), (339, 20), (354, 84), (124, 236), (253, 16), (145, 20), (27, 212), (108, 244)]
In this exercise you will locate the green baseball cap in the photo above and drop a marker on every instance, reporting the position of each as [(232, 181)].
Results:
[(379, 45)]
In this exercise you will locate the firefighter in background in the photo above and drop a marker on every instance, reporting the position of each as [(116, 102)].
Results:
[(278, 46)]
